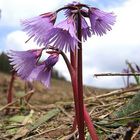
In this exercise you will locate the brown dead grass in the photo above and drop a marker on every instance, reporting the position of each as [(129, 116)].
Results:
[(60, 96)]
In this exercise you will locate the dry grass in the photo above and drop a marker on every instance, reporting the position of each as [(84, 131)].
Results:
[(49, 113)]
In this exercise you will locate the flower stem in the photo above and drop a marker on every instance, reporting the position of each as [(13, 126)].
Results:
[(73, 58), (73, 75), (9, 92), (74, 80), (80, 81), (90, 126), (72, 70), (75, 69)]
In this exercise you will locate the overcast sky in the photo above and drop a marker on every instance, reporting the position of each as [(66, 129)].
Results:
[(101, 54)]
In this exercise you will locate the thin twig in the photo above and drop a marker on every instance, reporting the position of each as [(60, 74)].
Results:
[(125, 118), (105, 110), (116, 92), (70, 136), (6, 106), (101, 128), (94, 96), (136, 133), (63, 111), (116, 74), (47, 131)]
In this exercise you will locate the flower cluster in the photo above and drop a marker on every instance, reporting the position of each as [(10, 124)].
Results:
[(28, 67), (61, 36), (64, 34)]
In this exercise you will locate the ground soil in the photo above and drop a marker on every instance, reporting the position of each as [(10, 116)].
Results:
[(56, 101)]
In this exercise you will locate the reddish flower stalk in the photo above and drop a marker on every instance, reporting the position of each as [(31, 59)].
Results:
[(10, 93), (75, 69), (73, 59), (80, 81), (87, 119), (90, 126), (77, 84)]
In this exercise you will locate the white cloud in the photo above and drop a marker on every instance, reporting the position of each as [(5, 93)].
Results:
[(14, 10), (16, 41)]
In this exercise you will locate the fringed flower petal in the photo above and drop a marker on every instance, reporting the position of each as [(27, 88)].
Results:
[(42, 72), (24, 61), (63, 35), (101, 21), (37, 27)]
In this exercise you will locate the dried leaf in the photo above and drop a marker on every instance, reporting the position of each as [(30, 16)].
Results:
[(24, 130), (49, 115), (17, 118)]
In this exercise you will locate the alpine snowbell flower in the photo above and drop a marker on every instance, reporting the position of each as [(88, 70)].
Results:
[(24, 61), (43, 71), (37, 27), (66, 35), (63, 35), (101, 21), (27, 67)]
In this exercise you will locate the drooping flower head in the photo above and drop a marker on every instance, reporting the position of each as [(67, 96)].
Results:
[(101, 21), (26, 66), (24, 61), (63, 35), (42, 72), (86, 32), (37, 27)]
